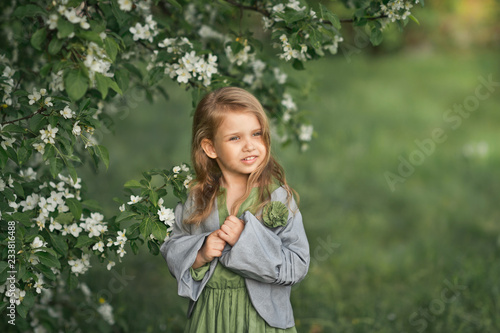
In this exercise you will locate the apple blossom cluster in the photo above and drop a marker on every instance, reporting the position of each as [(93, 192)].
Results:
[(97, 60), (73, 15), (6, 85), (145, 32), (190, 65), (290, 53), (243, 56), (396, 10), (144, 6), (39, 98)]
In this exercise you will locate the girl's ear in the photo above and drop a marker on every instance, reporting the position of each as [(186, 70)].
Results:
[(208, 148)]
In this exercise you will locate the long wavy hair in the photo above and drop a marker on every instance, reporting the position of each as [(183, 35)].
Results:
[(207, 118)]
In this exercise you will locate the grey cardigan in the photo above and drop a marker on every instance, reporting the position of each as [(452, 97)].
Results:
[(270, 259)]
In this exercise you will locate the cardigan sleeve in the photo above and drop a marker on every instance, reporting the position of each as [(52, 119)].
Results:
[(278, 255), (180, 251)]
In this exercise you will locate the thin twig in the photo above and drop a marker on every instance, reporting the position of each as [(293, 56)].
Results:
[(39, 111)]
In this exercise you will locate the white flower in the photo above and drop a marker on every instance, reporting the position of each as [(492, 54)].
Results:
[(47, 101), (122, 208), (49, 134), (34, 97), (98, 246), (121, 252), (306, 132), (75, 230), (110, 242), (134, 199), (295, 5), (125, 5), (7, 142), (121, 236), (110, 265), (106, 312), (176, 169), (2, 185), (54, 225), (37, 243), (72, 16), (160, 202), (52, 21), (39, 283), (166, 215), (77, 130), (67, 113), (288, 102)]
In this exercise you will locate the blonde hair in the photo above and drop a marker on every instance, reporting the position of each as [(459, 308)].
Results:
[(207, 118)]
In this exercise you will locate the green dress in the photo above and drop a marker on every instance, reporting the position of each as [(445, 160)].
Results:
[(224, 304)]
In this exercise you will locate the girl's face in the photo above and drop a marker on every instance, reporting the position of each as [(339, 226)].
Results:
[(238, 146)]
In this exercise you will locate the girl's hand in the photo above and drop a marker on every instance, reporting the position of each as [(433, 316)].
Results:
[(231, 230), (212, 248)]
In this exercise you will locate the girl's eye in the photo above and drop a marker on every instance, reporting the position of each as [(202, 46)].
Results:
[(257, 133), (233, 138)]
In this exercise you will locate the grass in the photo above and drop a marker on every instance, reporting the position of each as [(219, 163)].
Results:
[(383, 260)]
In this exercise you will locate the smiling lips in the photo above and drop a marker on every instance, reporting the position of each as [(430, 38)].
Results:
[(249, 159)]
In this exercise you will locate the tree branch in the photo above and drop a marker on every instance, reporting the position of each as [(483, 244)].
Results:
[(39, 111), (253, 8)]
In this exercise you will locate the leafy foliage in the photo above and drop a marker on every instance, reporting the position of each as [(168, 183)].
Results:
[(65, 66)]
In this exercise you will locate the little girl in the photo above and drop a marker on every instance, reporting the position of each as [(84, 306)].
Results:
[(238, 243)]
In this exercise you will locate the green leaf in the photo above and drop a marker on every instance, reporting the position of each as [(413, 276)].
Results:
[(48, 259), (112, 84), (326, 14), (298, 65), (64, 218), (159, 230), (175, 4), (83, 241), (58, 243), (55, 45), (47, 272), (75, 207), (65, 28), (92, 205), (23, 155), (101, 84), (28, 11), (18, 188), (153, 247), (23, 217), (414, 19), (56, 166), (132, 69), (126, 215), (3, 158), (103, 153), (72, 281), (376, 36), (91, 36), (12, 128), (3, 271), (122, 79), (37, 122), (111, 48), (39, 38), (133, 184), (76, 83), (146, 227)]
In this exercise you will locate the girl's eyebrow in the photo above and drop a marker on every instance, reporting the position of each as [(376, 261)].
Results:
[(239, 133)]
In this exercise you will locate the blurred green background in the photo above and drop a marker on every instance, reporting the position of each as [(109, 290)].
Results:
[(420, 255)]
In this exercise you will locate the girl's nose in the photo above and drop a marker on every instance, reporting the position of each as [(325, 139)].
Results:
[(248, 146)]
